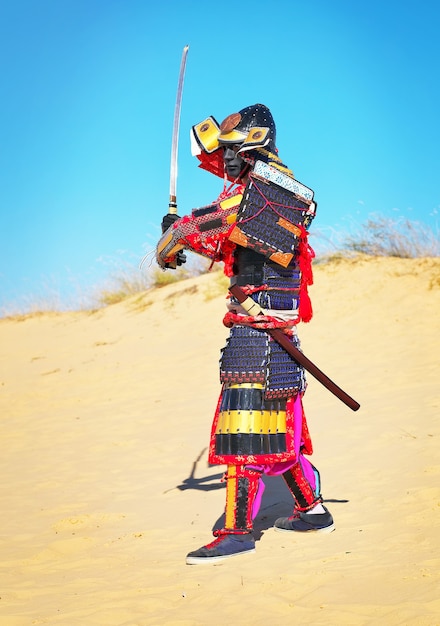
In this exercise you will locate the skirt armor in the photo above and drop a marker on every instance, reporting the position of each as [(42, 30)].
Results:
[(255, 419)]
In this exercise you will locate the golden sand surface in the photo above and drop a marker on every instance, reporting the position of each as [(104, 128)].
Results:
[(105, 421)]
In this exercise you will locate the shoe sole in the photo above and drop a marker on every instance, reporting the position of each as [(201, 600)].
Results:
[(198, 560), (327, 529)]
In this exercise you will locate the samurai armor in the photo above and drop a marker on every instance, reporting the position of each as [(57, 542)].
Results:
[(248, 424), (274, 214), (304, 483), (201, 232), (250, 355), (241, 489)]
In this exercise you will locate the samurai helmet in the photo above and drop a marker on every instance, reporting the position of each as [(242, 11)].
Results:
[(252, 129)]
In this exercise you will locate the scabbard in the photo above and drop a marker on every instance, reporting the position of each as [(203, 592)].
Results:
[(253, 308)]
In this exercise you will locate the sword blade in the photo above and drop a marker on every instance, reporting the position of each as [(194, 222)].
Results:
[(175, 137)]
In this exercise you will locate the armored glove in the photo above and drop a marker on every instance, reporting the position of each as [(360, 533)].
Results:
[(167, 221)]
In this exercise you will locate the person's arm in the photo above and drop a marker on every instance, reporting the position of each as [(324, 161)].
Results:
[(202, 232)]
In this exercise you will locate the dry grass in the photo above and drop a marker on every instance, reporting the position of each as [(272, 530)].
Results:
[(127, 280), (404, 238), (217, 287)]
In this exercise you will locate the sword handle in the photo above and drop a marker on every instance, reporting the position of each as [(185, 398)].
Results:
[(172, 205)]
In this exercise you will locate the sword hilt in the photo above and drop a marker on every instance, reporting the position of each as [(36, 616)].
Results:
[(172, 205)]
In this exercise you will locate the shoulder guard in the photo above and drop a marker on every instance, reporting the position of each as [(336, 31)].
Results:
[(275, 212)]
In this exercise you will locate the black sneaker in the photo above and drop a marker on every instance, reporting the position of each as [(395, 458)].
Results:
[(225, 546), (306, 522)]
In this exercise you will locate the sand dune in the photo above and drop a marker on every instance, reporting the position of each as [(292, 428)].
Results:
[(105, 420)]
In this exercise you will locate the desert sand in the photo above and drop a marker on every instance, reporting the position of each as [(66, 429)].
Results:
[(105, 420)]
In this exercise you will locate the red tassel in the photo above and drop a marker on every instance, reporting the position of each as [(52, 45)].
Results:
[(305, 258)]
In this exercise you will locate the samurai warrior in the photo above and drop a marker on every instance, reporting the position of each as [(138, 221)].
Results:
[(258, 229)]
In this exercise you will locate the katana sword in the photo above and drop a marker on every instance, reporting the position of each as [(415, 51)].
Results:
[(172, 207), (254, 309)]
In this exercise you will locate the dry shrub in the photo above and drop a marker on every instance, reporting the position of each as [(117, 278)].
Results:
[(402, 238), (127, 280)]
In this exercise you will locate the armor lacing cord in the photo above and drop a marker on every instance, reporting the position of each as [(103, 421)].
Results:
[(271, 205), (230, 191), (259, 322), (250, 289), (221, 532), (230, 531), (286, 320)]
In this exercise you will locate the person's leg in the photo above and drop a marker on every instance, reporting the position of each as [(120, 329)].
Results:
[(309, 514), (242, 492), (303, 482)]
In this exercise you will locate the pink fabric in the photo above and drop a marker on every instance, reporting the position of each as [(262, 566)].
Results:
[(257, 502), (275, 469)]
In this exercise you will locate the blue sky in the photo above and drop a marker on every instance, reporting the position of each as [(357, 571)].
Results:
[(87, 102)]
